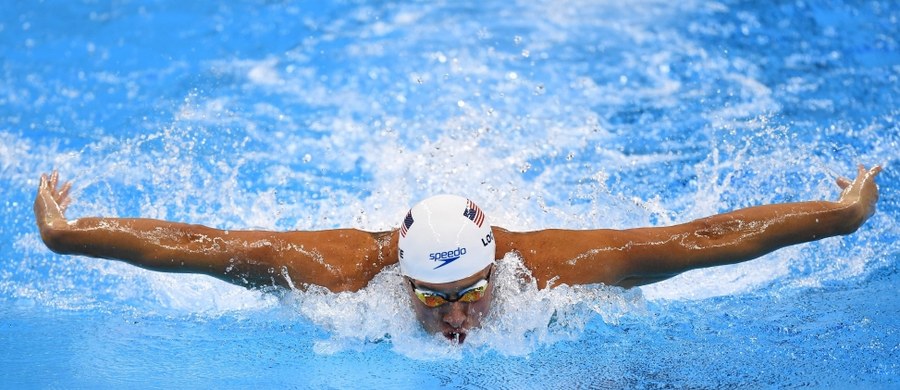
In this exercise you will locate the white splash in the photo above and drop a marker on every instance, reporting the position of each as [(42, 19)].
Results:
[(522, 319)]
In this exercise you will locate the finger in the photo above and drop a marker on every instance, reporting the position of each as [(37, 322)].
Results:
[(43, 183), (843, 182), (64, 192), (64, 205), (860, 170), (54, 177), (875, 170)]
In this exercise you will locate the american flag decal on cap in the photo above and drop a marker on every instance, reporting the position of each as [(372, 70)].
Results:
[(407, 222), (474, 213)]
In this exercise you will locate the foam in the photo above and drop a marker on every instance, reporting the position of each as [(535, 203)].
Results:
[(522, 319)]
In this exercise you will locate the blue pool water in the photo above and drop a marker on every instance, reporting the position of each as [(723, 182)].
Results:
[(573, 114)]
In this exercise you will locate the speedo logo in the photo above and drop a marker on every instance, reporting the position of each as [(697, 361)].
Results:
[(446, 257)]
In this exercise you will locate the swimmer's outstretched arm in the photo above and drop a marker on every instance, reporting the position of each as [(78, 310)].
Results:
[(640, 256), (340, 260)]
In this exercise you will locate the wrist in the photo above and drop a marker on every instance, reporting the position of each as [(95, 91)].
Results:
[(53, 234), (851, 216)]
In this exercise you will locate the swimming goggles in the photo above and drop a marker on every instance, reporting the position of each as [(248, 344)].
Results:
[(434, 299)]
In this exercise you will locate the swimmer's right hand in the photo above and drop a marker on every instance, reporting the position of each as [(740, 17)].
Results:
[(50, 206)]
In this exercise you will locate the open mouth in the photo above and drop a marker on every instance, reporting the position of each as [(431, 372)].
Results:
[(455, 337)]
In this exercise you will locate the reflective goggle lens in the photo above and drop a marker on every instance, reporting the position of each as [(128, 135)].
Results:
[(435, 299)]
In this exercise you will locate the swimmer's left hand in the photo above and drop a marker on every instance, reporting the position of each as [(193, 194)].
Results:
[(861, 194)]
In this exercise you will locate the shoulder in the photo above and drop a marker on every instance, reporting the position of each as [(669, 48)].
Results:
[(568, 256), (339, 260)]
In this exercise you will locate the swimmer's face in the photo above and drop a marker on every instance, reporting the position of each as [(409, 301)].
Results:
[(453, 319)]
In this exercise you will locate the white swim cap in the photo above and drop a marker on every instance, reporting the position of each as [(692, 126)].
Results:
[(445, 238)]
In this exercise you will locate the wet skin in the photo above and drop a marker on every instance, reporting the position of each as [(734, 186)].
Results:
[(452, 319), (331, 258)]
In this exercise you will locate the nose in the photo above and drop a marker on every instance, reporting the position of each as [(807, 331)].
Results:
[(456, 314)]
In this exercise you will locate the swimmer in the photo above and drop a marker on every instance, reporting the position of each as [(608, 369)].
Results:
[(447, 248)]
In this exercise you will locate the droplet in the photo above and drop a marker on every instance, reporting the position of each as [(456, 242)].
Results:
[(307, 158), (512, 75), (461, 104), (525, 167), (517, 39)]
